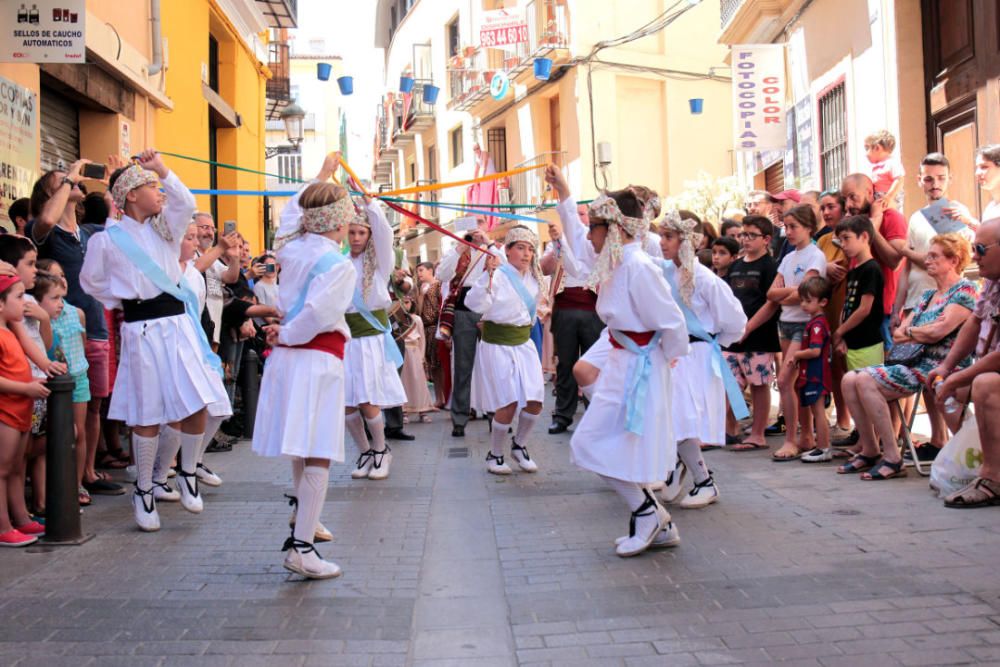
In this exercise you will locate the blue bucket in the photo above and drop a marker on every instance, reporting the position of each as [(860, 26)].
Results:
[(323, 71), (431, 93), (696, 104), (405, 84), (346, 84), (543, 68)]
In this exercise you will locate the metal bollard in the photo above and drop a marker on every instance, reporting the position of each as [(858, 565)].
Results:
[(251, 387), (62, 508)]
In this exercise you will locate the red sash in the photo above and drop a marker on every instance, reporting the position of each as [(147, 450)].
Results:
[(331, 342), (641, 338)]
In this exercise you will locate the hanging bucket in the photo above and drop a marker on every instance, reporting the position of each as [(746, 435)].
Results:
[(543, 68), (405, 84), (431, 93), (323, 71), (696, 104), (346, 84)]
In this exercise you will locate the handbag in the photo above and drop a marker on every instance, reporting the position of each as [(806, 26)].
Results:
[(904, 354)]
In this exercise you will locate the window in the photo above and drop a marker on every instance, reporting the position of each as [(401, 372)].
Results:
[(289, 167), (496, 146), (833, 136), (455, 139), (453, 37), (432, 163), (213, 63)]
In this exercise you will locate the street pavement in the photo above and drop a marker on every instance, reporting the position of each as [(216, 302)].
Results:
[(447, 565)]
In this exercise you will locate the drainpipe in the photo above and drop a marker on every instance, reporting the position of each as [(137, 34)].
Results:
[(156, 66)]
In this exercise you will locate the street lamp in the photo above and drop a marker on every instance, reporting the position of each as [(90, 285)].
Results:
[(292, 116)]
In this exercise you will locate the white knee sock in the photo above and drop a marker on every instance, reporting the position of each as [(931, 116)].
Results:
[(497, 436), (166, 451), (357, 430), (634, 497), (297, 465), (376, 427), (588, 391), (144, 450), (689, 452), (311, 492), (525, 422), (190, 448), (211, 428)]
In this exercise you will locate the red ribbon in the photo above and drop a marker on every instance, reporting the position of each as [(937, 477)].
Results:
[(399, 209)]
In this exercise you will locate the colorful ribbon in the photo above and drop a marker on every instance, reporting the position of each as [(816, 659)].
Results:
[(637, 384), (454, 184)]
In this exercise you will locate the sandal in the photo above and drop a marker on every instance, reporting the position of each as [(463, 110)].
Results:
[(748, 447), (83, 497), (981, 492), (781, 456), (860, 463), (425, 419), (895, 470)]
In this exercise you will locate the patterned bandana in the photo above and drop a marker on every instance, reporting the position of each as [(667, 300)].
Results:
[(606, 209), (687, 230), (520, 233), (368, 261), (135, 177), (319, 220)]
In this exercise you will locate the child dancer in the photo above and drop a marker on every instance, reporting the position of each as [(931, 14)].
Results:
[(134, 266), (714, 318), (302, 393), (625, 436), (418, 397), (372, 357), (508, 370)]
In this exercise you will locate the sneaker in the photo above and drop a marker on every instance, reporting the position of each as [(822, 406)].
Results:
[(702, 495), (380, 464), (303, 559), (144, 506), (666, 538), (777, 428), (364, 465), (32, 528), (206, 476), (15, 538), (925, 452), (187, 484), (163, 492), (849, 441), (674, 485), (496, 465), (838, 433), (520, 455), (817, 455)]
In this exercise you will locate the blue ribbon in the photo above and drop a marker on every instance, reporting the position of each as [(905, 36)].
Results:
[(392, 352), (182, 291), (637, 384), (489, 213), (720, 367), (322, 265), (518, 282)]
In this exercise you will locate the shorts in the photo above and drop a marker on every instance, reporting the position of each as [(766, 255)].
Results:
[(791, 331), (98, 354), (81, 390), (810, 393), (872, 355), (39, 417), (754, 369)]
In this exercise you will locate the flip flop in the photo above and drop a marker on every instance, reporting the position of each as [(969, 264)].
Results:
[(748, 447), (785, 459)]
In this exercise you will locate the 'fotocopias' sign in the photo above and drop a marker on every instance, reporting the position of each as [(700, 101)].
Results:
[(759, 96)]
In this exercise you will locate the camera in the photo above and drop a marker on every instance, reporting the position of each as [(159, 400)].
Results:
[(468, 237)]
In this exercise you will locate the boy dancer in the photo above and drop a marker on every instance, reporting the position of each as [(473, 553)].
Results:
[(134, 266)]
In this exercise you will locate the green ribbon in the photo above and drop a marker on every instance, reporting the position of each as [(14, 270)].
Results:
[(360, 327), (505, 334)]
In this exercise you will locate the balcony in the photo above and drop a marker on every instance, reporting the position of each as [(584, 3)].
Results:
[(421, 116), (280, 13), (529, 187), (755, 21), (278, 89)]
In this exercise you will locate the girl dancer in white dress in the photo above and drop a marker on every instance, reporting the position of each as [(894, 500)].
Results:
[(300, 409), (134, 266), (508, 372)]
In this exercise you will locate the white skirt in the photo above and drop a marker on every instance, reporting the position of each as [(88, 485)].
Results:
[(699, 398), (598, 353), (600, 442), (300, 410), (159, 380), (369, 377), (505, 374)]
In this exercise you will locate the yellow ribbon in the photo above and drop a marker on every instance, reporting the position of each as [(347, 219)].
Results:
[(350, 172), (471, 181)]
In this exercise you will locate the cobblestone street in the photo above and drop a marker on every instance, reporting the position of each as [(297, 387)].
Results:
[(447, 565)]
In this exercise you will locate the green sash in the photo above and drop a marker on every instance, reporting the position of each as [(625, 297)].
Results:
[(360, 327), (505, 334)]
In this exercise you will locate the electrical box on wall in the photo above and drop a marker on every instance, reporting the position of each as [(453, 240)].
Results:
[(604, 153)]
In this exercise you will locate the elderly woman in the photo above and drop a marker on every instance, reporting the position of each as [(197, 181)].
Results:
[(932, 325)]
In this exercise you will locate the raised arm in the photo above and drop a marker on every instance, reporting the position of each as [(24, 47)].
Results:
[(385, 257)]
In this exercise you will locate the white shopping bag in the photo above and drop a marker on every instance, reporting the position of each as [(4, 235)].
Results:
[(959, 461)]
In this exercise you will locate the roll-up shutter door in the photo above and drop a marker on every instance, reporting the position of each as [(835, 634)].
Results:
[(60, 126), (774, 177)]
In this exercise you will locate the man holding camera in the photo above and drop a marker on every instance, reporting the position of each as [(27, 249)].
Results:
[(462, 267)]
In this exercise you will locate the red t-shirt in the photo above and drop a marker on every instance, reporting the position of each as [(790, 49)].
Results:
[(15, 409), (894, 228)]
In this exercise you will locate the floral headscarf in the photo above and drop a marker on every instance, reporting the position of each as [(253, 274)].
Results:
[(134, 177), (606, 208), (689, 232), (319, 220), (368, 261), (522, 233)]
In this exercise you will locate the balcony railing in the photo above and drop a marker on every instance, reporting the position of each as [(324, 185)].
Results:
[(278, 87), (728, 10), (280, 13), (529, 187)]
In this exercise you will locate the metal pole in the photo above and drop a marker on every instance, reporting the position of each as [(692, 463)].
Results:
[(251, 387), (62, 507)]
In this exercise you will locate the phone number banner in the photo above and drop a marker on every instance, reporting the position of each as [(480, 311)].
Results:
[(42, 31), (759, 85), (502, 30)]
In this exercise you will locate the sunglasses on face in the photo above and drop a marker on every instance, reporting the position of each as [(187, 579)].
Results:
[(980, 249)]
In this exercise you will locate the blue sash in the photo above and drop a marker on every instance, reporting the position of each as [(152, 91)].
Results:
[(518, 282), (391, 349), (720, 367), (182, 292), (637, 383), (322, 265)]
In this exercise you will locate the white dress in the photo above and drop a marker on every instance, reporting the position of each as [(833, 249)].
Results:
[(300, 411), (504, 374), (155, 383), (196, 282), (370, 376), (635, 298), (699, 398)]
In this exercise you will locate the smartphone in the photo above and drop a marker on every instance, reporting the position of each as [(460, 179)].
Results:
[(270, 268), (229, 227), (95, 171)]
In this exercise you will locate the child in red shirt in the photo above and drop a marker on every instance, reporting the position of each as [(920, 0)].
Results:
[(815, 373)]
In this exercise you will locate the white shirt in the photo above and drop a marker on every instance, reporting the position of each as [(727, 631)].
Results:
[(579, 256), (569, 279), (716, 307), (213, 278), (918, 236), (501, 302), (110, 277), (385, 261), (793, 270), (197, 284), (449, 264)]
